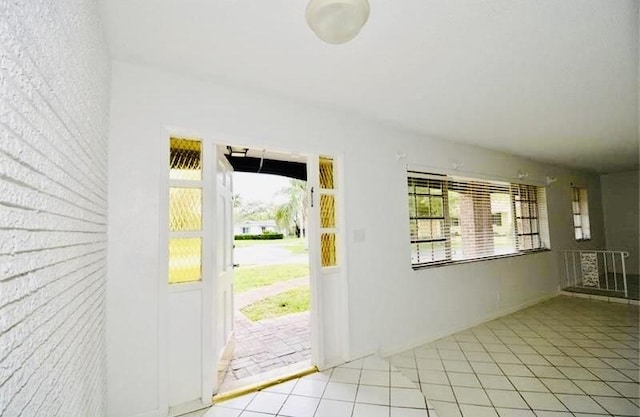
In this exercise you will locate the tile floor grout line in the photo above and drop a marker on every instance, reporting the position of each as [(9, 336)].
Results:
[(569, 342), (324, 390), (455, 397), (580, 388), (389, 390), (509, 380), (539, 378), (415, 362), (355, 398)]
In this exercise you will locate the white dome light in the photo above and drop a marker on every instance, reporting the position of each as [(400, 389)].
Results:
[(337, 21)]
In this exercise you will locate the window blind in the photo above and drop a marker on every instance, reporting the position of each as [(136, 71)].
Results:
[(457, 219)]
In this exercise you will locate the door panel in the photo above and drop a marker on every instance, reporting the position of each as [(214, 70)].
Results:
[(185, 328), (224, 341)]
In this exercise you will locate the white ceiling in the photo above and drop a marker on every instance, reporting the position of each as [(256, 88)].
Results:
[(553, 80)]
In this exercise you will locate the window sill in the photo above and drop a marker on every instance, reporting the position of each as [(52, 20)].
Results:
[(467, 261), (583, 240)]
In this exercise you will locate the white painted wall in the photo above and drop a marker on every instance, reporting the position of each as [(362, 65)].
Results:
[(620, 200), (391, 306), (54, 91)]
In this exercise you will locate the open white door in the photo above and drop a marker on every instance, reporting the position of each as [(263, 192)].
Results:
[(329, 303), (315, 267), (223, 285)]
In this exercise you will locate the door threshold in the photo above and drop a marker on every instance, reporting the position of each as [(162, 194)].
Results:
[(264, 380)]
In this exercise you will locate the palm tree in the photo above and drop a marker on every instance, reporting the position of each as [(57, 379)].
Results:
[(292, 215), (237, 201)]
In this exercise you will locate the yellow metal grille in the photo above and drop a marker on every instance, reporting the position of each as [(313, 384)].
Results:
[(327, 211), (326, 173), (185, 260), (328, 249), (185, 209), (185, 161)]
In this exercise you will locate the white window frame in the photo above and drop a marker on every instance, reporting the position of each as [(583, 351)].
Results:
[(537, 219), (580, 213)]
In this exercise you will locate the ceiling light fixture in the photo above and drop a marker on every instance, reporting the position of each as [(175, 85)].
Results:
[(337, 21), (237, 151)]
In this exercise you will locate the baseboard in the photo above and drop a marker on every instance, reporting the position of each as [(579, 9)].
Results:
[(363, 354), (332, 363), (154, 413), (501, 313), (600, 298), (188, 408), (176, 411)]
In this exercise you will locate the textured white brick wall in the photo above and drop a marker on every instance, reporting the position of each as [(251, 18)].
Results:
[(54, 92)]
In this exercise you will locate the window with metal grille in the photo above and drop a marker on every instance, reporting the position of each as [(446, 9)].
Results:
[(456, 219), (525, 207), (429, 240), (185, 210), (580, 207)]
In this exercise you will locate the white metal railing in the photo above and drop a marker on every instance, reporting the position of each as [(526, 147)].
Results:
[(597, 269)]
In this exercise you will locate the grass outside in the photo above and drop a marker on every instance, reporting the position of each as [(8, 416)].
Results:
[(245, 243), (248, 278), (293, 301), (296, 246)]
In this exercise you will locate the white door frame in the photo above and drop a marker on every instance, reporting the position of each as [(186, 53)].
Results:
[(205, 286), (313, 238), (316, 273)]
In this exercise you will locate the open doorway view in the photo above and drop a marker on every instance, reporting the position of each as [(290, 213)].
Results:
[(272, 331)]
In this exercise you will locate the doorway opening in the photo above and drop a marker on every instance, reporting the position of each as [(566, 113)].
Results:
[(271, 288)]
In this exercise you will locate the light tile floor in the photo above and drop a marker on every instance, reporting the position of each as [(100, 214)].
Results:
[(565, 357), (368, 387)]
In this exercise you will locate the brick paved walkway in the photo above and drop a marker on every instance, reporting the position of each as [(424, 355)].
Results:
[(268, 344)]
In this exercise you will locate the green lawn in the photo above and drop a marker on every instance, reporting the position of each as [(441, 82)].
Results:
[(247, 278), (296, 245), (296, 300), (245, 243)]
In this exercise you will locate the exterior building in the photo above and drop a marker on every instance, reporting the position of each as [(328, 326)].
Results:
[(255, 227)]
